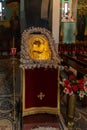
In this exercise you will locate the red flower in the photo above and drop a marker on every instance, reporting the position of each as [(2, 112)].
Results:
[(71, 77), (81, 81), (69, 87), (66, 82), (75, 88), (81, 86)]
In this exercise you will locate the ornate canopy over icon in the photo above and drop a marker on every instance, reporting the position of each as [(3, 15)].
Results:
[(38, 49)]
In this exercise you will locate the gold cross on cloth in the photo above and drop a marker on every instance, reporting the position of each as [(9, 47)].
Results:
[(41, 96)]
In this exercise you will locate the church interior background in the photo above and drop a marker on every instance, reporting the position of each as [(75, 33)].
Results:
[(42, 44)]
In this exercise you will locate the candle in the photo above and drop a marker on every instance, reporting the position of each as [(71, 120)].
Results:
[(13, 42), (13, 49)]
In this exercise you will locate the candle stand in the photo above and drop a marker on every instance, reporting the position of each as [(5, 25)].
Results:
[(13, 53)]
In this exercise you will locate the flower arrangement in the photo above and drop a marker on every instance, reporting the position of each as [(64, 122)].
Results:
[(73, 86)]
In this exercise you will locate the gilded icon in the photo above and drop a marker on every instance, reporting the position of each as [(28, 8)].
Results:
[(38, 46)]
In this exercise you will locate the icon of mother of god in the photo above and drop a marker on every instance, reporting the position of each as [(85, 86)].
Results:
[(38, 47)]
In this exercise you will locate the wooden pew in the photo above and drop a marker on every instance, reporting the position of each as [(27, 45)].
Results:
[(76, 64), (80, 60), (77, 48)]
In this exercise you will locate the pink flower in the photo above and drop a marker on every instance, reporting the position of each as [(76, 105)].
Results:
[(81, 94), (85, 88), (71, 93), (66, 90)]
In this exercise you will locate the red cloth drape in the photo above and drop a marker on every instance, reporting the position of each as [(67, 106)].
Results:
[(41, 80)]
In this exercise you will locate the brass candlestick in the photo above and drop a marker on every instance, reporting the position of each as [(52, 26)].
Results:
[(13, 52), (14, 93)]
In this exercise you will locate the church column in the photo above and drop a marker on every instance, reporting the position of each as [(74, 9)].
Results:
[(22, 16), (56, 21)]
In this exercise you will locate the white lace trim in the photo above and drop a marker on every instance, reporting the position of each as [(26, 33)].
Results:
[(45, 128)]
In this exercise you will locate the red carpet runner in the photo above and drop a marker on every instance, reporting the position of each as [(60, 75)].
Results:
[(42, 120)]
